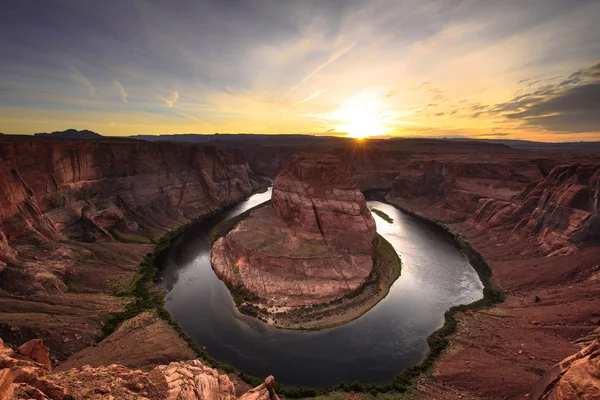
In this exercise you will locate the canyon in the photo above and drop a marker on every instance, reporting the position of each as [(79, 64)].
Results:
[(77, 217)]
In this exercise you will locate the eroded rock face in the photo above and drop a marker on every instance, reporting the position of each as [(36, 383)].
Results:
[(313, 245), (106, 191), (23, 376), (84, 190), (562, 209), (575, 378), (318, 198)]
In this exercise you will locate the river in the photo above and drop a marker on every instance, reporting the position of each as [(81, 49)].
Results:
[(372, 349)]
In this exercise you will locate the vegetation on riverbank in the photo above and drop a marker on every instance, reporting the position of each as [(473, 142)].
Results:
[(383, 215), (438, 340), (225, 226)]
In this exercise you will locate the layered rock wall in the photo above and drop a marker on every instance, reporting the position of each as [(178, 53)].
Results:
[(313, 245), (318, 198), (104, 190), (574, 378), (561, 209), (557, 205)]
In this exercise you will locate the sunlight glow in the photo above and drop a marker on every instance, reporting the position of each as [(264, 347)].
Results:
[(363, 115)]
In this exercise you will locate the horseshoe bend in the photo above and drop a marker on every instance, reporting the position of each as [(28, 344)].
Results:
[(79, 215), (315, 200), (313, 245)]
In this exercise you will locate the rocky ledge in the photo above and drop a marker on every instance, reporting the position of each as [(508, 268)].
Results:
[(25, 373), (314, 244)]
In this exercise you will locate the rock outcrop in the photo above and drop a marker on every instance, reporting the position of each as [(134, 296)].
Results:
[(452, 187), (575, 378), (25, 375), (564, 208), (318, 198), (314, 244)]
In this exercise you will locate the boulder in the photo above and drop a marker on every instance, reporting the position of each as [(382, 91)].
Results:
[(36, 351)]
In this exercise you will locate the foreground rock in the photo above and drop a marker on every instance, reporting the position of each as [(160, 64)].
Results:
[(575, 378), (24, 374), (314, 244)]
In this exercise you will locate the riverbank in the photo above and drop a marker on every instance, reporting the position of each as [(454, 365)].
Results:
[(550, 304), (386, 270)]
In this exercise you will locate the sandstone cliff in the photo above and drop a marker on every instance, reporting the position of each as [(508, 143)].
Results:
[(76, 218), (313, 245), (25, 373), (559, 206), (562, 209), (93, 191)]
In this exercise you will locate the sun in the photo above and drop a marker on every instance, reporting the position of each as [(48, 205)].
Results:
[(362, 116)]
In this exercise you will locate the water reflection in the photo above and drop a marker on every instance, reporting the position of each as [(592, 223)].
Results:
[(373, 348)]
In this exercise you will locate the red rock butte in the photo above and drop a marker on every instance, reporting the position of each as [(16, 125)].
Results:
[(313, 245)]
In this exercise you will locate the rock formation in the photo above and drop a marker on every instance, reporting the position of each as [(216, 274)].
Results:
[(575, 378), (452, 187), (314, 244), (24, 374)]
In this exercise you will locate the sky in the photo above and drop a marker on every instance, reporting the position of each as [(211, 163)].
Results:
[(525, 69)]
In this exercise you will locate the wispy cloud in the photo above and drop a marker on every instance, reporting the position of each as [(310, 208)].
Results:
[(121, 90), (171, 99), (319, 68), (195, 119), (312, 96), (78, 77)]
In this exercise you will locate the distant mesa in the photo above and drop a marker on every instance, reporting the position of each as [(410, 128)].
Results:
[(71, 134), (314, 244)]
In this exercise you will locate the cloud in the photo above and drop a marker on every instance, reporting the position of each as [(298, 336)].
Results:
[(570, 106), (576, 109), (78, 77), (592, 72), (435, 92), (312, 96), (331, 59), (198, 120), (315, 71), (495, 134), (170, 101), (121, 90)]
